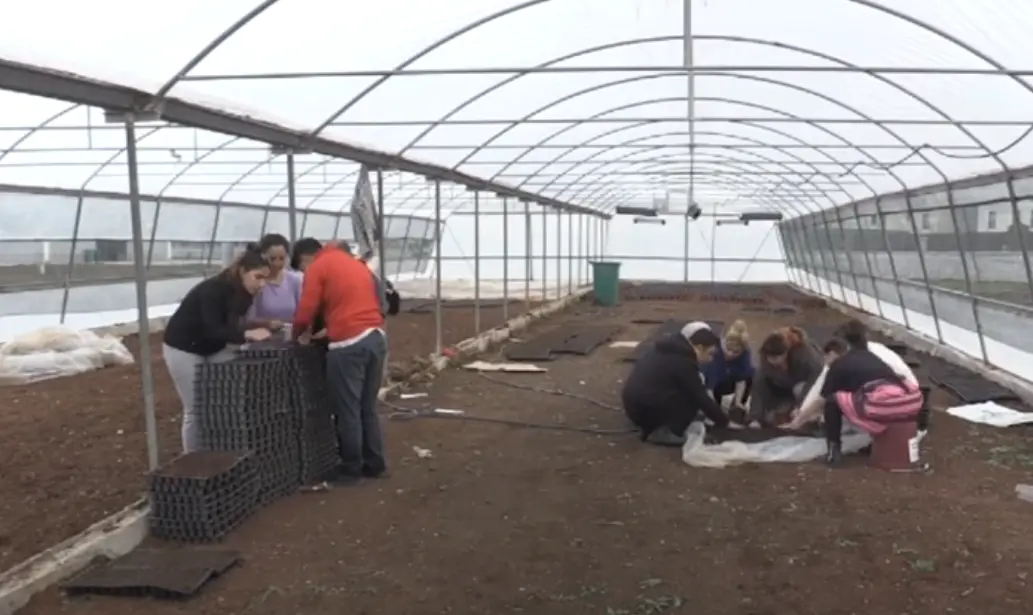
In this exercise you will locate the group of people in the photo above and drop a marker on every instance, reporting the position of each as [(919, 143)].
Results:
[(310, 293), (697, 373)]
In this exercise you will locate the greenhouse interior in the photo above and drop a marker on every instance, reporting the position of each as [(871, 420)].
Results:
[(879, 158)]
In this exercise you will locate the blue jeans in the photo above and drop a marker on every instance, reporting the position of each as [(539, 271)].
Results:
[(354, 374)]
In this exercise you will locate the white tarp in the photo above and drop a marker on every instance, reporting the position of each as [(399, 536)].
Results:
[(790, 449), (53, 352), (991, 413)]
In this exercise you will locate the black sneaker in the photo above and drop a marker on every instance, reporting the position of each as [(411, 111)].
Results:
[(342, 481), (663, 436), (368, 472), (834, 454)]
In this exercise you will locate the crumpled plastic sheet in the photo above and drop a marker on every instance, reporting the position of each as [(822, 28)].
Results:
[(790, 449), (53, 352)]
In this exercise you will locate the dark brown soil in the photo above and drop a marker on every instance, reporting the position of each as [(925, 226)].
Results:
[(75, 450), (503, 519)]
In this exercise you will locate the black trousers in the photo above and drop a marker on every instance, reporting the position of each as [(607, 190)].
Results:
[(649, 418), (727, 387), (833, 421)]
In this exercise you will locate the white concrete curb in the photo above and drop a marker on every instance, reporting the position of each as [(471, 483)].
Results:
[(924, 343), (112, 537), (122, 532)]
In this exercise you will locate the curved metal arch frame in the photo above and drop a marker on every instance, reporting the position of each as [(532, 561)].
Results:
[(739, 163), (780, 149), (838, 103), (784, 134), (865, 3)]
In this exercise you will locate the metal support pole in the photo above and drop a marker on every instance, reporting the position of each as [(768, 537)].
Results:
[(685, 250), (142, 317), (570, 253), (505, 259), (893, 265), (1020, 228), (381, 229), (545, 255), (688, 59), (964, 268), (832, 254), (476, 263), (528, 264), (292, 200), (71, 258), (438, 342), (559, 254), (867, 262), (713, 246), (580, 249), (921, 259)]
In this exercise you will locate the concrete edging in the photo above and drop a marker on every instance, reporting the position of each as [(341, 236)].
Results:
[(122, 532), (111, 537), (924, 343)]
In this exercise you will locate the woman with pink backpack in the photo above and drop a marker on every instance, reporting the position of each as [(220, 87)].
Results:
[(862, 386)]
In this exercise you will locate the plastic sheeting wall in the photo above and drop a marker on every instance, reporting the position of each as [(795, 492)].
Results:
[(952, 264)]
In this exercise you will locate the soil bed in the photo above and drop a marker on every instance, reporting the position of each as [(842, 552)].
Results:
[(517, 520), (75, 450)]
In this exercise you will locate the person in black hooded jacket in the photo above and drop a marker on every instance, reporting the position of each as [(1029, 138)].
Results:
[(665, 391)]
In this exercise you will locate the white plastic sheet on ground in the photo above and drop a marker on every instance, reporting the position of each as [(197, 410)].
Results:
[(790, 449), (991, 413), (53, 352)]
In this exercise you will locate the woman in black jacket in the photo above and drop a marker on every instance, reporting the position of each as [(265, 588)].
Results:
[(665, 391), (207, 325)]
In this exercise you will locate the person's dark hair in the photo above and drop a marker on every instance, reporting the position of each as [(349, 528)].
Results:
[(304, 247), (855, 334), (273, 240), (774, 345), (705, 338), (835, 345), (249, 260)]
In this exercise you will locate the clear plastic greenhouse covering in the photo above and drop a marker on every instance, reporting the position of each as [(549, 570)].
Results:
[(893, 138)]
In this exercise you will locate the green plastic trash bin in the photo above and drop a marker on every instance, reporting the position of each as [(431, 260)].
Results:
[(606, 282)]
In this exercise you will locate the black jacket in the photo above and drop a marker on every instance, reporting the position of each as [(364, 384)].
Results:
[(667, 378), (210, 316)]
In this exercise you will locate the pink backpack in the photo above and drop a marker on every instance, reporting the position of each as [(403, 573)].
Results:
[(888, 401)]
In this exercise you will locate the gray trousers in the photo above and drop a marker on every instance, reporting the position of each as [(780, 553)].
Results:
[(354, 374), (182, 368)]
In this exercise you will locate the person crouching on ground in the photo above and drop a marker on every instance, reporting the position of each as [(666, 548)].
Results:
[(344, 290), (665, 391), (207, 325), (852, 367), (730, 371), (277, 302), (789, 365)]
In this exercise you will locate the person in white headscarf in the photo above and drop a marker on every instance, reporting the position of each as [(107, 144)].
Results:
[(665, 391)]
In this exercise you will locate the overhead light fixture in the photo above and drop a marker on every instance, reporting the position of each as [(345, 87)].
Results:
[(648, 220), (761, 216), (627, 210)]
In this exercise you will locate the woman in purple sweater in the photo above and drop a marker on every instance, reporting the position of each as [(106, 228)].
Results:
[(275, 305)]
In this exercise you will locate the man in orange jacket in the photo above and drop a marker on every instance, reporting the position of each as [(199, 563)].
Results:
[(345, 291)]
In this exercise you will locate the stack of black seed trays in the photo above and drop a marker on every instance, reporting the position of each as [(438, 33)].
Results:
[(317, 437), (267, 409), (200, 497), (244, 405)]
